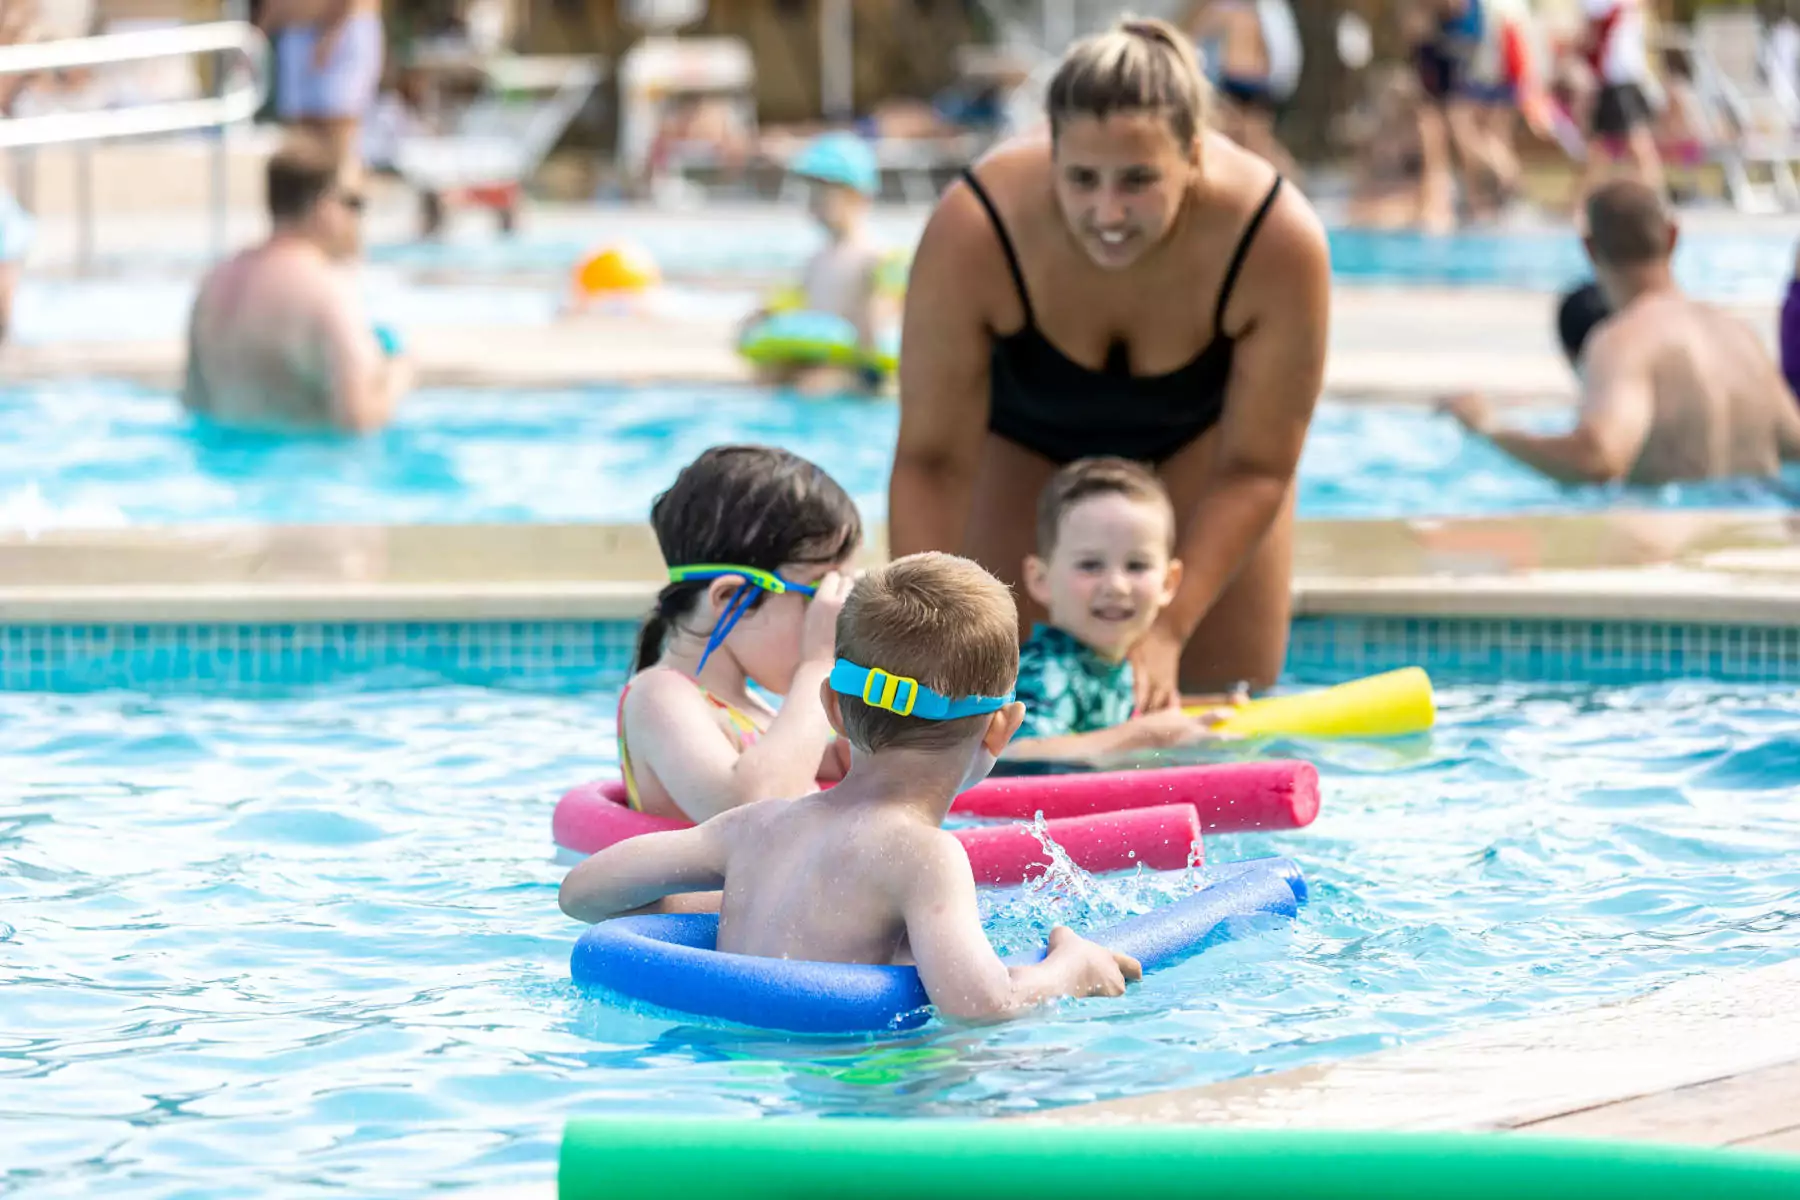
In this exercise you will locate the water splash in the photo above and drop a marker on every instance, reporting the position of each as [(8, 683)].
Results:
[(1019, 919)]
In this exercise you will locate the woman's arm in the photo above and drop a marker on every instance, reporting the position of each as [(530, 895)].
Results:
[(944, 397), (1280, 316)]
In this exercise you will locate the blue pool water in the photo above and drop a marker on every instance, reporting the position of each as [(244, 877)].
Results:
[(57, 311), (1747, 265), (100, 454), (309, 945)]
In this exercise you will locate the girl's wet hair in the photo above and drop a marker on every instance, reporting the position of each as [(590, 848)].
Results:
[(749, 506), (1139, 65)]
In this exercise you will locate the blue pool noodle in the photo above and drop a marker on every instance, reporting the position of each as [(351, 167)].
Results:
[(669, 961)]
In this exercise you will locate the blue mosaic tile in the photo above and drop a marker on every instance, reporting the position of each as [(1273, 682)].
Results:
[(1543, 650), (239, 657), (232, 658)]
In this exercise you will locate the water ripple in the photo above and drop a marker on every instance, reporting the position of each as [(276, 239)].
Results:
[(312, 939)]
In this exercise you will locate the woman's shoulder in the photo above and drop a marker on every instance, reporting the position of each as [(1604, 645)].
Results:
[(1007, 172), (1246, 185)]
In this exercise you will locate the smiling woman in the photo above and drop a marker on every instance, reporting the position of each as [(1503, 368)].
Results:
[(1137, 287)]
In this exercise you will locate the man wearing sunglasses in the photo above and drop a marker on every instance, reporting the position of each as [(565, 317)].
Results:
[(278, 337)]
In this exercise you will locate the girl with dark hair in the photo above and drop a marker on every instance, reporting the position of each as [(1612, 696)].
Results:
[(758, 543)]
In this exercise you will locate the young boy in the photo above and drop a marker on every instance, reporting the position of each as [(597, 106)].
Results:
[(848, 277), (935, 636), (1104, 569)]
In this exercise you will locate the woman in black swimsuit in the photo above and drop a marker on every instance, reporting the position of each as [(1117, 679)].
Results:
[(1137, 286)]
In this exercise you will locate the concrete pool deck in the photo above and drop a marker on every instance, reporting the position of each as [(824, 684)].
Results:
[(1386, 344), (1728, 567), (1709, 1060)]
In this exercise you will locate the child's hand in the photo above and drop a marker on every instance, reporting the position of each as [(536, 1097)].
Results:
[(1094, 970), (818, 637), (1172, 727)]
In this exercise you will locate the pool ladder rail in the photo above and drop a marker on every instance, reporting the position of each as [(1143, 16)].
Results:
[(240, 85)]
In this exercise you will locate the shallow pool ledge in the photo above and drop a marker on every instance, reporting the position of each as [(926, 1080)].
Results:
[(1711, 1059), (1727, 567)]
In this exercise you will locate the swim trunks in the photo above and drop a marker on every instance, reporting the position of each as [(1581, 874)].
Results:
[(345, 87)]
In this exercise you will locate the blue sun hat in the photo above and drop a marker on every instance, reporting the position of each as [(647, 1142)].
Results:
[(841, 158)]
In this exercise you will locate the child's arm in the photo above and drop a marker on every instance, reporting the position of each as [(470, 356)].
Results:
[(1154, 731), (963, 976), (644, 869), (674, 730)]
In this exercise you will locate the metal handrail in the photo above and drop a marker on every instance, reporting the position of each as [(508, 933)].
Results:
[(240, 102)]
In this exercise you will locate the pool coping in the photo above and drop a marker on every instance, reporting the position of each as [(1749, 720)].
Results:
[(1534, 1073), (1691, 597), (1725, 567)]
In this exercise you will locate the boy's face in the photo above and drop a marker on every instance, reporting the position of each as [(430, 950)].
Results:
[(835, 206), (1110, 573)]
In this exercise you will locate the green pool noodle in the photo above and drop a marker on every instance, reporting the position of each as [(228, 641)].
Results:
[(659, 1158)]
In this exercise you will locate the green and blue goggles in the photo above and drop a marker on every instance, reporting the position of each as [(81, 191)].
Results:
[(755, 579), (906, 696)]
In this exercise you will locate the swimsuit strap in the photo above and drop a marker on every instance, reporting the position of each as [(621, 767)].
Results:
[(631, 790), (748, 732), (1242, 252), (746, 725), (1006, 244)]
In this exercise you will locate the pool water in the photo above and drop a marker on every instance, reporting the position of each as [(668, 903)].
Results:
[(112, 454), (53, 311), (1720, 264), (308, 944)]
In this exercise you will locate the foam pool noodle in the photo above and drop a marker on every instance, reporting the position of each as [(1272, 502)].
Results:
[(1390, 705)]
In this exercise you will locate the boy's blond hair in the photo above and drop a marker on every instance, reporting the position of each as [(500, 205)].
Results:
[(1086, 478), (936, 618)]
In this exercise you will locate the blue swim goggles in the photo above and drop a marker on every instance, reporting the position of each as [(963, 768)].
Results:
[(755, 579), (907, 696)]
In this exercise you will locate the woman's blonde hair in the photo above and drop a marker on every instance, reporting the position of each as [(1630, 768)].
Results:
[(1139, 65)]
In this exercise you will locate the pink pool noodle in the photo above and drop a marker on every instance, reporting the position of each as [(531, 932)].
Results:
[(587, 820), (1230, 798), (1162, 838)]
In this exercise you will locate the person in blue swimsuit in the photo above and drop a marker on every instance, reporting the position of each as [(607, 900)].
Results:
[(1137, 286)]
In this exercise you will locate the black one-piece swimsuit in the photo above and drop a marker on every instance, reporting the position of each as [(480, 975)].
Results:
[(1053, 406)]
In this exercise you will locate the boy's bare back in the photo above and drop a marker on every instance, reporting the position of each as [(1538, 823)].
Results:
[(828, 877)]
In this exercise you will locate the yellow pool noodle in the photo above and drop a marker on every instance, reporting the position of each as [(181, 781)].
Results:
[(1389, 705)]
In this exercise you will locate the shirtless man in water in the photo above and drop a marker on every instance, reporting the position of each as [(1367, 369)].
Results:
[(1671, 389), (278, 336)]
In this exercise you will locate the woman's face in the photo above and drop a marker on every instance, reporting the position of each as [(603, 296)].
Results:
[(1120, 181)]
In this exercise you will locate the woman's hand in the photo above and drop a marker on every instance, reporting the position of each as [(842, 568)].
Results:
[(1156, 669)]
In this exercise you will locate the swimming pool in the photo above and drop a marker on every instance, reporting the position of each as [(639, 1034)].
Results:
[(98, 454), (54, 311), (1737, 265), (308, 944)]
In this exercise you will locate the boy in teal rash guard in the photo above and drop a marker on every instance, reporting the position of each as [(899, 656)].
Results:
[(1103, 571)]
